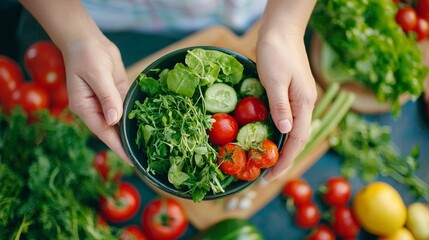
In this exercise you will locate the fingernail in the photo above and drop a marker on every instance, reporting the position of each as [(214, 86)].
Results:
[(111, 116), (285, 126)]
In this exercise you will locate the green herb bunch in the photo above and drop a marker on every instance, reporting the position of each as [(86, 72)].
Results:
[(370, 47), (48, 187)]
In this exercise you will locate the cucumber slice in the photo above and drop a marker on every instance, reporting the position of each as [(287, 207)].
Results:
[(252, 134), (220, 97), (251, 87)]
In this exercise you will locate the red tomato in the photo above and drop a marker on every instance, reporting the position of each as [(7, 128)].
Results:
[(224, 129), (344, 222), (101, 163), (336, 191), (406, 17), (250, 109), (123, 206), (422, 29), (132, 232), (423, 9), (265, 157), (298, 190), (164, 218), (45, 64), (307, 215), (321, 232), (249, 173), (59, 98), (30, 97), (10, 78), (231, 158)]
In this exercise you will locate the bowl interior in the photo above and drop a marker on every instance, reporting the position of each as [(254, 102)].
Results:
[(128, 127)]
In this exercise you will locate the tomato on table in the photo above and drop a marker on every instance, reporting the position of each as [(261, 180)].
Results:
[(31, 97), (132, 232), (123, 206), (101, 163), (406, 17), (344, 222), (249, 173), (224, 129), (250, 109), (307, 215), (164, 218), (44, 63), (265, 157), (321, 232), (298, 190), (336, 191), (422, 29), (231, 158), (10, 78)]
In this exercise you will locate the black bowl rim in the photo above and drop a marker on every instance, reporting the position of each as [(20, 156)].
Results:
[(126, 142)]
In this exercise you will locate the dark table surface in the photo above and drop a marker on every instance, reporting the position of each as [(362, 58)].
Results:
[(273, 220)]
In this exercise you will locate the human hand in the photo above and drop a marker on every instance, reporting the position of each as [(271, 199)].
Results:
[(285, 73), (97, 84)]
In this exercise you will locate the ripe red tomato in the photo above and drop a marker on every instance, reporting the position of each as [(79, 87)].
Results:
[(101, 163), (164, 218), (298, 190), (123, 206), (422, 29), (232, 158), (307, 215), (45, 64), (406, 17), (10, 78), (249, 173), (250, 109), (132, 232), (321, 232), (265, 157), (224, 129), (59, 98), (336, 191), (423, 9), (344, 222), (30, 97)]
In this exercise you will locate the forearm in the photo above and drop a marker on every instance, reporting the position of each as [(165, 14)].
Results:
[(289, 16), (63, 20)]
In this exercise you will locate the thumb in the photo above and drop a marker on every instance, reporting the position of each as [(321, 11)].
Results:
[(280, 108)]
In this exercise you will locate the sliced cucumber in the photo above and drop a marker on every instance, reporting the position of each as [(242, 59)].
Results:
[(252, 134), (220, 97), (251, 87)]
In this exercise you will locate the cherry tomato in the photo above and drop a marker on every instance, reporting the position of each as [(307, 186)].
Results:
[(250, 109), (30, 97), (123, 206), (249, 173), (307, 215), (10, 78), (406, 17), (101, 163), (321, 232), (336, 191), (132, 232), (45, 64), (422, 29), (164, 218), (59, 98), (423, 9), (231, 158), (344, 223), (224, 129), (265, 157), (298, 190)]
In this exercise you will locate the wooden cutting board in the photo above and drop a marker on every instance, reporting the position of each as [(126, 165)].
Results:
[(202, 215)]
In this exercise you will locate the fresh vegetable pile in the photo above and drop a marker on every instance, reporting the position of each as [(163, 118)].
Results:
[(204, 124), (364, 43)]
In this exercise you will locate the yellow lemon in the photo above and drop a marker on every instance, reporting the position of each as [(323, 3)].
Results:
[(401, 234), (380, 209)]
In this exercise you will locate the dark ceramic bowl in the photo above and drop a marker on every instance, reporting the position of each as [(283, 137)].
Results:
[(128, 127)]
